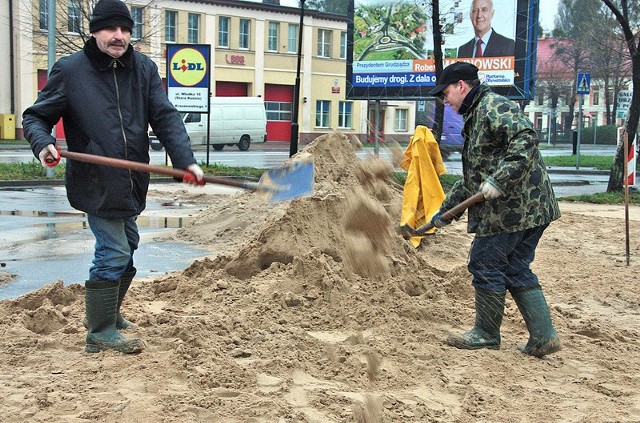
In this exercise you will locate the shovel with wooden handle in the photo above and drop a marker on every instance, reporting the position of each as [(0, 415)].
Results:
[(287, 182), (449, 214)]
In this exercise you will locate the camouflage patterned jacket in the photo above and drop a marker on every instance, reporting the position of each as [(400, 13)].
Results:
[(502, 147)]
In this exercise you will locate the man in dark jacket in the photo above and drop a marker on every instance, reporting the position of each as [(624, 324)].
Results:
[(108, 94), (486, 42), (501, 159)]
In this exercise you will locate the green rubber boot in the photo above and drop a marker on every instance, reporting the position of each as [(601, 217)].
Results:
[(486, 332), (125, 283), (543, 338), (101, 302)]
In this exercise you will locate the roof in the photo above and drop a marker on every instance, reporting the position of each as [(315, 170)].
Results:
[(547, 62)]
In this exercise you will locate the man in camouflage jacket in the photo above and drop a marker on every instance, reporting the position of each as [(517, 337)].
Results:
[(501, 159)]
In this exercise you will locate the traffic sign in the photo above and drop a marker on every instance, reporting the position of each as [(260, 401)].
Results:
[(584, 83)]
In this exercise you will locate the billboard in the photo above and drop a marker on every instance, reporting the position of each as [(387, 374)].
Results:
[(390, 46)]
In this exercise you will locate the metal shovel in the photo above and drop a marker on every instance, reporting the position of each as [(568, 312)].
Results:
[(449, 214), (288, 182)]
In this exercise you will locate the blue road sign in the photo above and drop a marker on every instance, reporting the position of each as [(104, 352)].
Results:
[(584, 83)]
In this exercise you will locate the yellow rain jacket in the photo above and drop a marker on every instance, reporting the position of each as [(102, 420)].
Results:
[(423, 194)]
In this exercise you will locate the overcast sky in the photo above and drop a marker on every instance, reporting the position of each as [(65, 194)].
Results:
[(548, 12)]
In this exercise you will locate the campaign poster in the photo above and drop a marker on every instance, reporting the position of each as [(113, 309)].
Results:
[(391, 46)]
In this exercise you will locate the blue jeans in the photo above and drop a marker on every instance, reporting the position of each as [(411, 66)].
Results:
[(116, 240), (501, 262)]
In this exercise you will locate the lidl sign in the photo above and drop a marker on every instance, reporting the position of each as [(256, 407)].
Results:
[(188, 76)]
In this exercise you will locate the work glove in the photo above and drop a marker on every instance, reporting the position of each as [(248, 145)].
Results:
[(438, 222), (49, 156), (193, 175), (489, 191)]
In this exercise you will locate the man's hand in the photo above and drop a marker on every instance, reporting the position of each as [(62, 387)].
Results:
[(489, 191), (49, 156), (438, 222), (194, 175)]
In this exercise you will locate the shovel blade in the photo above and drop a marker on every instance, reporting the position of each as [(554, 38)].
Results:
[(289, 182)]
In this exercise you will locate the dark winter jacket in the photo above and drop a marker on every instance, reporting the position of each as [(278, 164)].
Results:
[(501, 146), (107, 105)]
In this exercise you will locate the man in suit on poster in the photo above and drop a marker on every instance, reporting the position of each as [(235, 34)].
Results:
[(486, 42)]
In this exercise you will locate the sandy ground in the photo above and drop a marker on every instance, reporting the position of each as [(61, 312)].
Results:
[(315, 311)]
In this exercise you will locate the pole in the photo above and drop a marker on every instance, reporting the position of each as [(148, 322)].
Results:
[(376, 145), (579, 131), (625, 145), (293, 147), (549, 130), (595, 127), (51, 58)]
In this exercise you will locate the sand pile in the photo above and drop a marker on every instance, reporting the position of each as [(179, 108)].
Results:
[(315, 310)]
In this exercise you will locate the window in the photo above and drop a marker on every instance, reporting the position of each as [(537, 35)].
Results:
[(324, 43), (540, 99), (245, 33), (596, 96), (137, 14), (277, 110), (292, 38), (193, 28), (400, 122), (322, 113), (44, 14), (193, 117), (343, 45), (223, 31), (170, 25), (75, 17), (344, 114), (273, 36)]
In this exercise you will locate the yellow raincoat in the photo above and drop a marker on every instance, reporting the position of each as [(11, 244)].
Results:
[(423, 194)]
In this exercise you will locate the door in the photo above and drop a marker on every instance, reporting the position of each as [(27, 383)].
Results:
[(372, 124), (278, 101)]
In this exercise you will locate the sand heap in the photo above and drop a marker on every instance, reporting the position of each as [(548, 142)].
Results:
[(316, 311)]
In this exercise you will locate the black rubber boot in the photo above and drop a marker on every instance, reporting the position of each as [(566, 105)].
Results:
[(125, 283), (543, 338), (486, 332), (101, 302)]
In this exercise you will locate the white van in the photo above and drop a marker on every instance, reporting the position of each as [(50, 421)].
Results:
[(232, 121)]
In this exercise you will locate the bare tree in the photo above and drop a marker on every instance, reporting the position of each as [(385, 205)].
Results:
[(627, 15), (72, 24), (608, 60), (552, 78), (575, 18)]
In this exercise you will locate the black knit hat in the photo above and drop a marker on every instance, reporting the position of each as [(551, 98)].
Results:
[(110, 13), (458, 71)]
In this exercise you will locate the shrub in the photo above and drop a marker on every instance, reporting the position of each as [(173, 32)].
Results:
[(605, 135)]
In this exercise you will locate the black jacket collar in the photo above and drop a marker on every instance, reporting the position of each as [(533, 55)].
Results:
[(102, 60)]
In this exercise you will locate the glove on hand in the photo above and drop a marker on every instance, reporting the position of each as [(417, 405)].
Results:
[(50, 155), (489, 191), (194, 175), (438, 222)]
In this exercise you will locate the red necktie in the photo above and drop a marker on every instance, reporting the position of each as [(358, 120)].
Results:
[(479, 48)]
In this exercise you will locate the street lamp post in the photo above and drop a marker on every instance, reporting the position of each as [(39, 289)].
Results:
[(293, 147), (51, 58)]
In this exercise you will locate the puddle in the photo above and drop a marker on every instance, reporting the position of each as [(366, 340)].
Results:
[(152, 222), (45, 240), (151, 258)]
